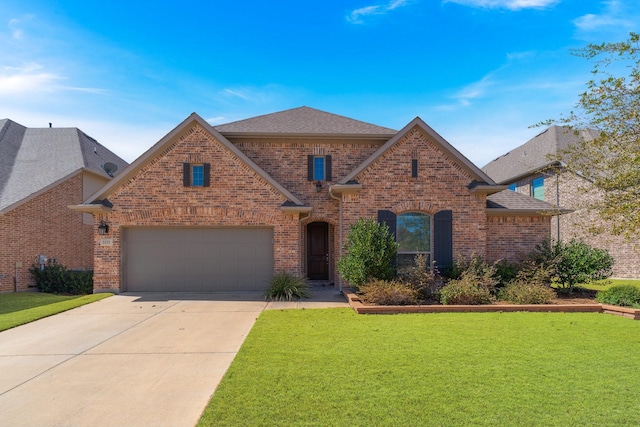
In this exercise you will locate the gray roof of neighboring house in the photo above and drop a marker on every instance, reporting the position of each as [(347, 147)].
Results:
[(304, 121), (32, 159), (517, 202), (534, 154)]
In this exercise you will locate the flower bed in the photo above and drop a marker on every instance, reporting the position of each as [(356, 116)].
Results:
[(570, 306)]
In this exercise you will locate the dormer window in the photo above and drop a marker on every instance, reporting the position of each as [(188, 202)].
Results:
[(319, 168)]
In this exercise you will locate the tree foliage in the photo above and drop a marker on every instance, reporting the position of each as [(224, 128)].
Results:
[(611, 107), (371, 253)]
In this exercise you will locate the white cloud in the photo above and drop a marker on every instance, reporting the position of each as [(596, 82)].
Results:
[(15, 25), (357, 16), (31, 78), (27, 78), (506, 4), (613, 18)]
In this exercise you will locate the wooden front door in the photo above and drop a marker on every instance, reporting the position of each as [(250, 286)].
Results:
[(318, 251)]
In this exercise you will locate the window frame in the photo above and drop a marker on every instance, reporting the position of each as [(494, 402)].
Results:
[(319, 169), (197, 172), (405, 265), (537, 184)]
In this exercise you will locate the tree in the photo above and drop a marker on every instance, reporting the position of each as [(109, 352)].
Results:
[(610, 161), (371, 253)]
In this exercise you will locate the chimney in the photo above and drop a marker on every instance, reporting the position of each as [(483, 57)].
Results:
[(49, 124)]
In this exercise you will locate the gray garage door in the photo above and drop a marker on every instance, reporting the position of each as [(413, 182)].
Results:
[(197, 259)]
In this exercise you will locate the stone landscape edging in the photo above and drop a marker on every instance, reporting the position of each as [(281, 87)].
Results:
[(356, 304)]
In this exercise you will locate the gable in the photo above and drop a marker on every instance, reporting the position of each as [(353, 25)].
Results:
[(423, 138), (193, 141)]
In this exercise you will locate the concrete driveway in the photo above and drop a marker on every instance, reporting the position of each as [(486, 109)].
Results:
[(128, 360)]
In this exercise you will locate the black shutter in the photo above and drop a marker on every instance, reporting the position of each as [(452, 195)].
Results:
[(327, 166), (389, 218), (186, 174), (310, 168), (414, 168), (207, 173), (443, 240)]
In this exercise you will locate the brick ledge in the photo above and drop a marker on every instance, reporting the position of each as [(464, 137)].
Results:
[(356, 304)]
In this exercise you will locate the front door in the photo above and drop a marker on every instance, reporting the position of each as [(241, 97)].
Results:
[(318, 251)]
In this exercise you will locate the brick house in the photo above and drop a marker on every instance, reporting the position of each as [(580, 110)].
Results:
[(42, 171), (530, 169), (220, 208)]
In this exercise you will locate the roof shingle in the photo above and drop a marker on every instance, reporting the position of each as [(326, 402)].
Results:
[(304, 121)]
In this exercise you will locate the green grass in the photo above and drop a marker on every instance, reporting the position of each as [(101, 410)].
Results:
[(24, 307), (334, 367), (606, 284)]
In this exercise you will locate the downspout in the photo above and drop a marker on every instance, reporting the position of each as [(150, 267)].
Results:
[(558, 205), (300, 248), (339, 199)]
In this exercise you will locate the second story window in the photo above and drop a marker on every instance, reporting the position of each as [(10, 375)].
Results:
[(537, 188), (319, 168), (196, 174)]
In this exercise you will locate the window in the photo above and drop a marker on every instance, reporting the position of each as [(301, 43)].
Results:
[(413, 234), (197, 175), (512, 187), (537, 188), (319, 168)]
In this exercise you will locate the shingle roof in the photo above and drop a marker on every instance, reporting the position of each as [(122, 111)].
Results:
[(31, 159), (517, 202), (533, 155), (304, 121)]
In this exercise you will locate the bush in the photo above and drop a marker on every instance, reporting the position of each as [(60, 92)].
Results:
[(506, 271), (371, 253), (383, 292), (574, 262), (622, 295), (527, 293), (465, 291), (57, 279), (424, 280), (287, 287), (475, 285)]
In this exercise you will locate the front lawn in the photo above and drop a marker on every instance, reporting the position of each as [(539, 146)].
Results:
[(334, 367), (24, 307), (606, 284)]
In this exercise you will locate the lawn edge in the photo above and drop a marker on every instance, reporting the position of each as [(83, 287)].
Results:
[(356, 304)]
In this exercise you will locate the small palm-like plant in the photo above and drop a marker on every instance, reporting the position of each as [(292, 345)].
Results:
[(285, 286)]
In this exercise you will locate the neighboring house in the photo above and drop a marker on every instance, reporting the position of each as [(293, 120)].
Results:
[(42, 171), (221, 208), (529, 169)]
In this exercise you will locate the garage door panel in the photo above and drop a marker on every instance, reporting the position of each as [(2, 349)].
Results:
[(197, 259)]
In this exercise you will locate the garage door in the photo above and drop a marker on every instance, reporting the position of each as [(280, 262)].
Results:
[(158, 259)]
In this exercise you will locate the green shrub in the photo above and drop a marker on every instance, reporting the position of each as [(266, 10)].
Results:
[(622, 295), (527, 293), (57, 279), (424, 280), (506, 271), (285, 286), (371, 253), (475, 285), (465, 291), (573, 263), (383, 292)]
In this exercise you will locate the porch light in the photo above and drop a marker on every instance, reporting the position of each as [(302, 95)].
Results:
[(103, 228), (318, 186)]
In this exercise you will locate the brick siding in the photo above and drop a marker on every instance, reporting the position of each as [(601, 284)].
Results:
[(44, 225)]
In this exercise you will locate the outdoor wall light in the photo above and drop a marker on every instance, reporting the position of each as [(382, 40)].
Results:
[(103, 228), (318, 186)]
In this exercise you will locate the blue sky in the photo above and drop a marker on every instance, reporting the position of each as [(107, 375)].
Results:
[(479, 72)]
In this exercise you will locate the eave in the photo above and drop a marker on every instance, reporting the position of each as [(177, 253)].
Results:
[(487, 189), (92, 208), (294, 209), (345, 188), (526, 212)]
